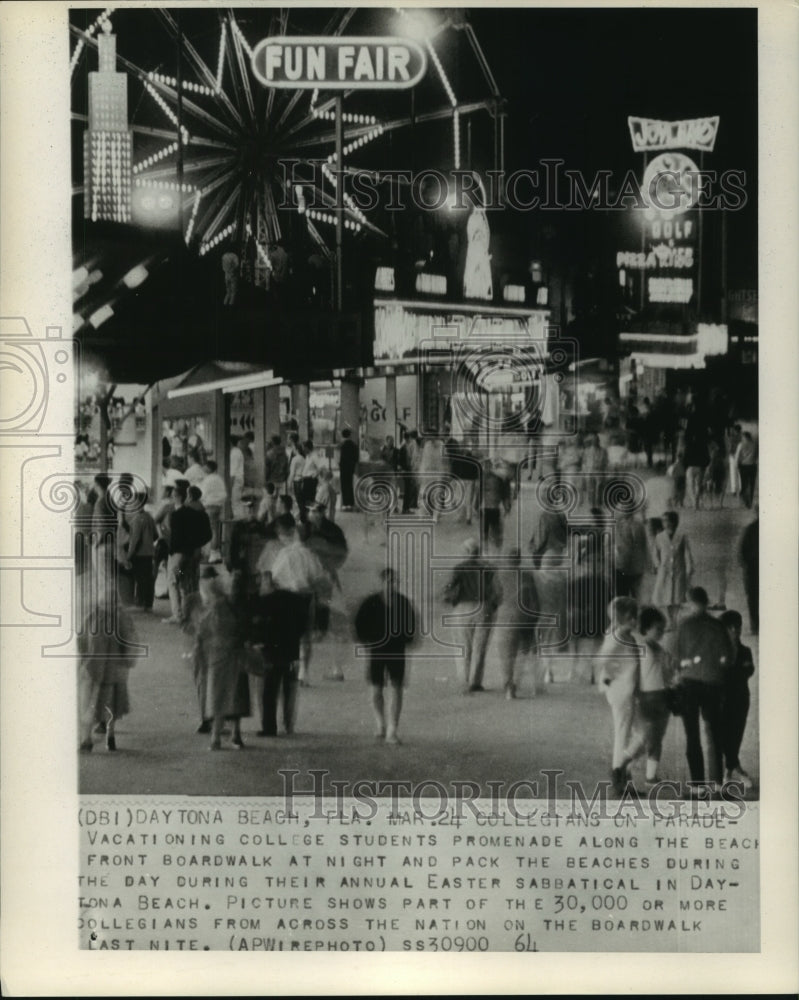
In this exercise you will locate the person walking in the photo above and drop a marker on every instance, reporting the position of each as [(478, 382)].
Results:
[(236, 475), (520, 621), (655, 675), (187, 535), (617, 666), (696, 461), (706, 655), (595, 467), (277, 629), (736, 700), (386, 623), (474, 593), (347, 466), (749, 557), (632, 558), (746, 457), (410, 463), (276, 464), (674, 567), (494, 503), (310, 478), (105, 642), (141, 552), (294, 476), (296, 568), (214, 498), (222, 685), (390, 457), (732, 438)]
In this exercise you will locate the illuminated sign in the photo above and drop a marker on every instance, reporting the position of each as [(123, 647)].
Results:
[(651, 135), (349, 63), (671, 183), (679, 290), (513, 293), (667, 229), (713, 338), (384, 279), (431, 284), (660, 256), (400, 332)]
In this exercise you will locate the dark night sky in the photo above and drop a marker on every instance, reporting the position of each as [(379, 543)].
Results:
[(570, 77)]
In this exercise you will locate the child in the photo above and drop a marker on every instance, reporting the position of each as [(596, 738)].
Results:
[(736, 700), (656, 673), (617, 675), (326, 493)]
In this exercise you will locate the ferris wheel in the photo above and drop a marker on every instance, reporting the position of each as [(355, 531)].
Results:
[(209, 142)]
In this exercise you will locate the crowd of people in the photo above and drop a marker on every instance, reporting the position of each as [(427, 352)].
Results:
[(253, 600)]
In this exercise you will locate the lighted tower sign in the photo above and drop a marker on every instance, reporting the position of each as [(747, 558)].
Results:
[(108, 141)]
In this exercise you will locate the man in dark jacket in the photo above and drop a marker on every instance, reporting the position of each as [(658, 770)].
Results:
[(188, 532), (386, 621), (736, 700), (705, 653), (279, 618)]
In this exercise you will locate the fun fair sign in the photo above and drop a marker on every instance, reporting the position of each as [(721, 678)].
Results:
[(651, 135), (347, 63)]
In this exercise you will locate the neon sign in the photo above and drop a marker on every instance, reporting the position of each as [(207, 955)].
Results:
[(350, 63), (679, 290), (652, 135), (660, 256)]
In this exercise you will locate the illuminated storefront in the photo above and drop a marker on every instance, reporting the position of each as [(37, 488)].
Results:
[(464, 368)]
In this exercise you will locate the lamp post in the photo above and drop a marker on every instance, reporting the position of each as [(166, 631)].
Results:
[(339, 206)]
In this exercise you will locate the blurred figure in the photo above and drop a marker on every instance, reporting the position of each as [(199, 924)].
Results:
[(326, 495), (410, 458), (277, 631), (736, 700), (595, 465), (297, 569), (749, 556), (475, 594), (105, 643), (632, 558), (518, 632), (617, 669), (141, 553), (214, 498), (222, 685), (746, 457), (705, 652), (494, 504), (347, 465), (656, 673), (386, 622), (674, 567), (236, 474)]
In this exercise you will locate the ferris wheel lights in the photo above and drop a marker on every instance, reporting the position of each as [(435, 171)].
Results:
[(418, 25)]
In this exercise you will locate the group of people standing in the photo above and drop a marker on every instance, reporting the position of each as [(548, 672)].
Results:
[(705, 676)]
